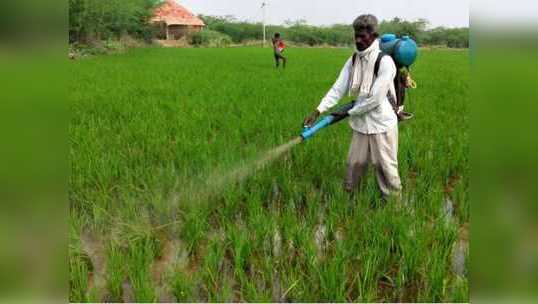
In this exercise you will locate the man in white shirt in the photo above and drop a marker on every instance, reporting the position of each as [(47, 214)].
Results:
[(373, 120)]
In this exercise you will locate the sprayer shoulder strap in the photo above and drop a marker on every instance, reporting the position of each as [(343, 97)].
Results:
[(378, 63), (392, 99)]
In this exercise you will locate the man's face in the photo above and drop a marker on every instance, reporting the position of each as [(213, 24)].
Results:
[(363, 39)]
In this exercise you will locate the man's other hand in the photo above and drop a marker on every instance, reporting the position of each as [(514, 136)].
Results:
[(311, 118)]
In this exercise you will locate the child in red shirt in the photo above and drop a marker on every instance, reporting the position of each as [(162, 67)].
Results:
[(278, 47)]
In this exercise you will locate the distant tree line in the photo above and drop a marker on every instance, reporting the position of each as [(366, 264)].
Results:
[(338, 34), (109, 19), (102, 20)]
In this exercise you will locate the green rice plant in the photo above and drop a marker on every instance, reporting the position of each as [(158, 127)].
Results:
[(212, 273), (78, 279), (182, 287), (115, 272), (194, 228), (140, 255)]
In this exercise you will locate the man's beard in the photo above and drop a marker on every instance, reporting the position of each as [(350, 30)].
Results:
[(360, 47)]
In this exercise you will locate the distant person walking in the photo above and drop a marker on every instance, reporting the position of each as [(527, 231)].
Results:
[(279, 47)]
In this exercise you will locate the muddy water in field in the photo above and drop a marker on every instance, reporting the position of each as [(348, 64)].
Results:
[(95, 250), (174, 257), (460, 251)]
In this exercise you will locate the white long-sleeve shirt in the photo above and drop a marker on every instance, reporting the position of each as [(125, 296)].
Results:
[(372, 114)]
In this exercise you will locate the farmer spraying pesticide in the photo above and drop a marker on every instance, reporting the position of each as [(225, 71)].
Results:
[(279, 47), (373, 78)]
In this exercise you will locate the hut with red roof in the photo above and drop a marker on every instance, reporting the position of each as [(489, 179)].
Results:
[(174, 21)]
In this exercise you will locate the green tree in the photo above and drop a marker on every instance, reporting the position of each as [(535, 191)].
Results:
[(104, 19)]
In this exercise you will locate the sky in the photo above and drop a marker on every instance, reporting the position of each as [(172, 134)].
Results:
[(513, 12), (451, 13)]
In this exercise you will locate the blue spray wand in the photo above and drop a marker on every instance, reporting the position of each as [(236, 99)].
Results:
[(326, 121)]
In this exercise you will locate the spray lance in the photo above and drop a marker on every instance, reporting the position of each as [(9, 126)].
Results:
[(327, 121)]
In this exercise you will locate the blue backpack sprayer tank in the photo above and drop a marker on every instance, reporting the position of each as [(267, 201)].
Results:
[(403, 50)]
